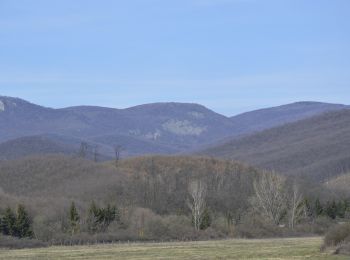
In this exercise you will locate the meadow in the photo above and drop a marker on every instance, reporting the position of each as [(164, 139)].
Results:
[(287, 248)]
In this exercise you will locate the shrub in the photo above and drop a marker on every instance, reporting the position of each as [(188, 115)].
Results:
[(343, 249), (318, 226), (179, 227), (337, 235), (16, 243), (210, 233), (46, 229), (139, 218), (254, 226), (156, 229), (221, 225)]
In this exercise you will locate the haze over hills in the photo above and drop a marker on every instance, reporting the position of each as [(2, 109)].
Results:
[(28, 145), (46, 144), (269, 117), (317, 147), (159, 128)]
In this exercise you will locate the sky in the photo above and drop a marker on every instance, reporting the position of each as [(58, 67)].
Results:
[(229, 55)]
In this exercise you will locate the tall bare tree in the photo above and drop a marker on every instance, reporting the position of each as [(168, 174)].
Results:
[(84, 147), (296, 205), (96, 153), (197, 191), (117, 150), (270, 196)]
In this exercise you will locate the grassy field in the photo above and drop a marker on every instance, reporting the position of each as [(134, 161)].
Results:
[(291, 248)]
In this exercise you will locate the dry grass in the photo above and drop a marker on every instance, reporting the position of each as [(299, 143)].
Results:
[(291, 248)]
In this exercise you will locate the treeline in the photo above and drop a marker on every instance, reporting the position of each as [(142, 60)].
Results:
[(162, 198), (275, 209)]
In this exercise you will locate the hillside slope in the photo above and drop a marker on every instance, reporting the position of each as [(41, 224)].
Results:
[(32, 145), (262, 119), (159, 183), (46, 144), (317, 147)]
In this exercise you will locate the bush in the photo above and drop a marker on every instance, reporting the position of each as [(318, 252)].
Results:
[(211, 233), (319, 226), (337, 235), (254, 226), (16, 243), (343, 249), (180, 227), (221, 225), (86, 238), (156, 229), (46, 229), (149, 226)]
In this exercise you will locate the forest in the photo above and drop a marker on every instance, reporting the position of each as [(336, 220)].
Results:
[(64, 200)]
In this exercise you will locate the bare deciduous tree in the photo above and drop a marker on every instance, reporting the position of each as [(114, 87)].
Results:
[(117, 150), (270, 196), (296, 206), (96, 153), (84, 146), (197, 190)]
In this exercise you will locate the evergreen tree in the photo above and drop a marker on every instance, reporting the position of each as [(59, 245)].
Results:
[(92, 220), (111, 214), (331, 209), (74, 219), (318, 208), (346, 208), (100, 218), (1, 226), (23, 223), (9, 223), (341, 208), (206, 220), (308, 209), (106, 216)]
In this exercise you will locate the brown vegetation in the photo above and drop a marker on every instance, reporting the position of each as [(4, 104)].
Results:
[(148, 198)]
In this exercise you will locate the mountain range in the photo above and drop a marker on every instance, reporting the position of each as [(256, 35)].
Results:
[(293, 138)]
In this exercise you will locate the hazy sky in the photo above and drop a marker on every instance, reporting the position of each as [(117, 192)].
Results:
[(230, 55)]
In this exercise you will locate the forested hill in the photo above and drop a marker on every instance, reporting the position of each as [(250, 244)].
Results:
[(155, 182), (317, 147)]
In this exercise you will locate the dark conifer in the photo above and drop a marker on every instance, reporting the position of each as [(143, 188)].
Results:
[(23, 223), (9, 223), (74, 219)]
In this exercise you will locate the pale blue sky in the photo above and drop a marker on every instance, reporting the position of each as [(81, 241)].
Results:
[(230, 55)]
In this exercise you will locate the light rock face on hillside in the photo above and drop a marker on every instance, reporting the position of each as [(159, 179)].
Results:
[(184, 127)]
